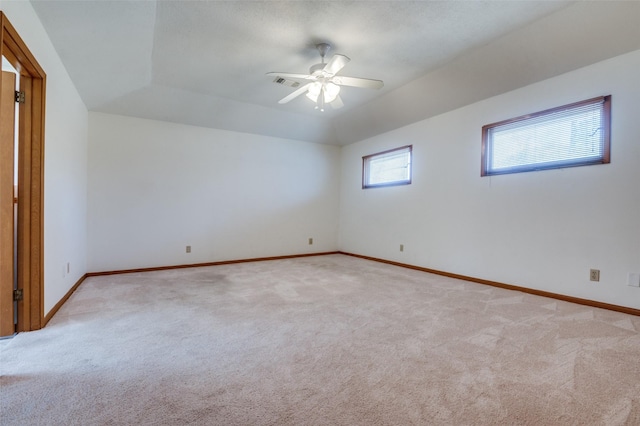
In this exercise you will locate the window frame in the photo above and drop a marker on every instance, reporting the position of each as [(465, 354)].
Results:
[(606, 149), (367, 158)]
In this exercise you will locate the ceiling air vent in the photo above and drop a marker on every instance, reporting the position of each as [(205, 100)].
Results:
[(286, 82)]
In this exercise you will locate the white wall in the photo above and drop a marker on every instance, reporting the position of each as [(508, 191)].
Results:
[(542, 230), (65, 167), (156, 187)]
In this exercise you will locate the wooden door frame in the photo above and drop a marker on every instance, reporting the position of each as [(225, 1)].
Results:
[(30, 177)]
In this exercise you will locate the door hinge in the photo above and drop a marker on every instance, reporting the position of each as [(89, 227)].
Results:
[(17, 295), (20, 97)]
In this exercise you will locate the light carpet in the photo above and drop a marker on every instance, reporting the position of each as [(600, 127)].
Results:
[(324, 340)]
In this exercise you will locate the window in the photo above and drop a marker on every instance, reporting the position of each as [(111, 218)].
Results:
[(567, 136), (387, 168)]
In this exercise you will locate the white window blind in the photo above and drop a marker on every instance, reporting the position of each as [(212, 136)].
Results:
[(387, 168), (573, 135)]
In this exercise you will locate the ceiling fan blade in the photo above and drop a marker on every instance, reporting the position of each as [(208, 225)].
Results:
[(295, 94), (337, 103), (364, 83), (334, 65), (290, 75)]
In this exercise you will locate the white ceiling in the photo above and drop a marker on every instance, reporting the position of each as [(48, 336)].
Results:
[(204, 62)]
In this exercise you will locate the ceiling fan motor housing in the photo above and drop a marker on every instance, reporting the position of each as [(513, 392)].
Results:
[(316, 69)]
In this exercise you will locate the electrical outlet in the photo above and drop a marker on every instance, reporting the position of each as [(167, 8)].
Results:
[(401, 247), (634, 279), (188, 249), (310, 241), (68, 267), (594, 275)]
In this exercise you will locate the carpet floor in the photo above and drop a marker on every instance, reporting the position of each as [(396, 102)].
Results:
[(323, 340)]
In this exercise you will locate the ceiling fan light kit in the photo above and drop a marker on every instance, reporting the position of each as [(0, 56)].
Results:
[(323, 85)]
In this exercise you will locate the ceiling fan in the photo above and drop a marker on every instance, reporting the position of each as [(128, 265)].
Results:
[(324, 85)]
